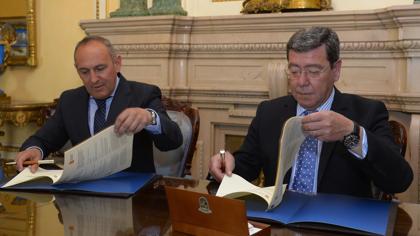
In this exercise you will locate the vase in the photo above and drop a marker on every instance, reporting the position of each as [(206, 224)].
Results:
[(167, 7), (131, 8)]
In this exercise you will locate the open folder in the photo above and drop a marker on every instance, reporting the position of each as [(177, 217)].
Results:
[(122, 184), (340, 213), (99, 156), (92, 166)]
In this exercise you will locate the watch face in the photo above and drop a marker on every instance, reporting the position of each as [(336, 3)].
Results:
[(350, 141), (153, 116)]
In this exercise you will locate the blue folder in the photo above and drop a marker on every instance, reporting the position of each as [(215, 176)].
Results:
[(328, 212), (122, 184)]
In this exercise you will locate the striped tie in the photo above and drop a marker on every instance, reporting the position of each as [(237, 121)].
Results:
[(305, 164), (99, 122)]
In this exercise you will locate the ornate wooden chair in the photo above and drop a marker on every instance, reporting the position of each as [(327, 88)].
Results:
[(400, 135), (178, 162)]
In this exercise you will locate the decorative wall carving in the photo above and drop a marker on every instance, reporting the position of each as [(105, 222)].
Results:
[(226, 65), (270, 47)]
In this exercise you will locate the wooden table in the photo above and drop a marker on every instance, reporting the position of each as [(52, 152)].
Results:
[(146, 213)]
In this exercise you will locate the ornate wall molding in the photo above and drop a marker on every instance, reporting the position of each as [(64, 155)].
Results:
[(380, 45), (402, 103), (264, 47)]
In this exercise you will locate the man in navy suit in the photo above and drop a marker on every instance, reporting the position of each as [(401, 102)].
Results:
[(133, 107), (354, 144)]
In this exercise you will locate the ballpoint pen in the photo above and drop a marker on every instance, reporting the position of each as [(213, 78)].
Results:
[(222, 157), (32, 162)]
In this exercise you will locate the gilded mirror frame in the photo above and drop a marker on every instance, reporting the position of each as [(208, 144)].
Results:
[(25, 27)]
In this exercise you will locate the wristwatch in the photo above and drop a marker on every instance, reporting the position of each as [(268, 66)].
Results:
[(351, 140), (154, 116)]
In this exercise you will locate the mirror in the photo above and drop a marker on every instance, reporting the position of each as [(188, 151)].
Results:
[(21, 15)]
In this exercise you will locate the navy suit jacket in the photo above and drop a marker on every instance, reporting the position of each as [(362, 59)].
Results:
[(70, 122), (339, 171)]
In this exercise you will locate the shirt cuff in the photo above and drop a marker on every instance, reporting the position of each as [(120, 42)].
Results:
[(35, 147)]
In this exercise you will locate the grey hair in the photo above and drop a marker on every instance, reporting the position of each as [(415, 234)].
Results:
[(308, 39), (99, 39)]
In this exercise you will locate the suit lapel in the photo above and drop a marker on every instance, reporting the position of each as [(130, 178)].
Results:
[(328, 147), (289, 109), (83, 108)]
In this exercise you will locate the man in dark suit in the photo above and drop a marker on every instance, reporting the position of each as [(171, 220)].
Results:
[(353, 145), (133, 107)]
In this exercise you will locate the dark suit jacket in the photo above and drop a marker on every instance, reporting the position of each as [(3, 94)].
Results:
[(339, 171), (70, 122)]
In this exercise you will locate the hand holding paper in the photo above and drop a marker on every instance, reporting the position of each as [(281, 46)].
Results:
[(291, 139), (99, 156)]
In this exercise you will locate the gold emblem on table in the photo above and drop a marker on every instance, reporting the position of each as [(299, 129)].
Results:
[(204, 205)]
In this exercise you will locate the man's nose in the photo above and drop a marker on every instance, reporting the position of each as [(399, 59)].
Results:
[(93, 76), (302, 79)]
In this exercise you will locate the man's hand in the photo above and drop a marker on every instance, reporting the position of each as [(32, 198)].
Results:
[(31, 154), (327, 126), (219, 167), (132, 120)]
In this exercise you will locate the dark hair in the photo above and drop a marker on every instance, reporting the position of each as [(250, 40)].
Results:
[(99, 39), (308, 39)]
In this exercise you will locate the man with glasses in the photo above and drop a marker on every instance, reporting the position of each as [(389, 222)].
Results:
[(349, 144)]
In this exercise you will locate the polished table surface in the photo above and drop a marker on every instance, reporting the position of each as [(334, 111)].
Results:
[(146, 213)]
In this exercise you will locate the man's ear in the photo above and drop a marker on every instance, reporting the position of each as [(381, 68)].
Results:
[(337, 70), (117, 63)]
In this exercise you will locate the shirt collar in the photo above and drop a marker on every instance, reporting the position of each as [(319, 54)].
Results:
[(326, 106)]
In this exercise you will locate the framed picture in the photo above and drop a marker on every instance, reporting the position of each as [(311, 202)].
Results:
[(19, 50), (18, 54), (21, 16)]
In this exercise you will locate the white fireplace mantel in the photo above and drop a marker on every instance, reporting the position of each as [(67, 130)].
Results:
[(226, 65)]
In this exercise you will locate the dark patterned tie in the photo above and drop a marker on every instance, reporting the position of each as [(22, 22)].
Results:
[(99, 122), (305, 166)]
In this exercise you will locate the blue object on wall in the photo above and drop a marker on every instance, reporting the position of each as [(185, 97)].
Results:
[(1, 53)]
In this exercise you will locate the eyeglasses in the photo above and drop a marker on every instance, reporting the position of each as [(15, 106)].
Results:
[(311, 72)]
